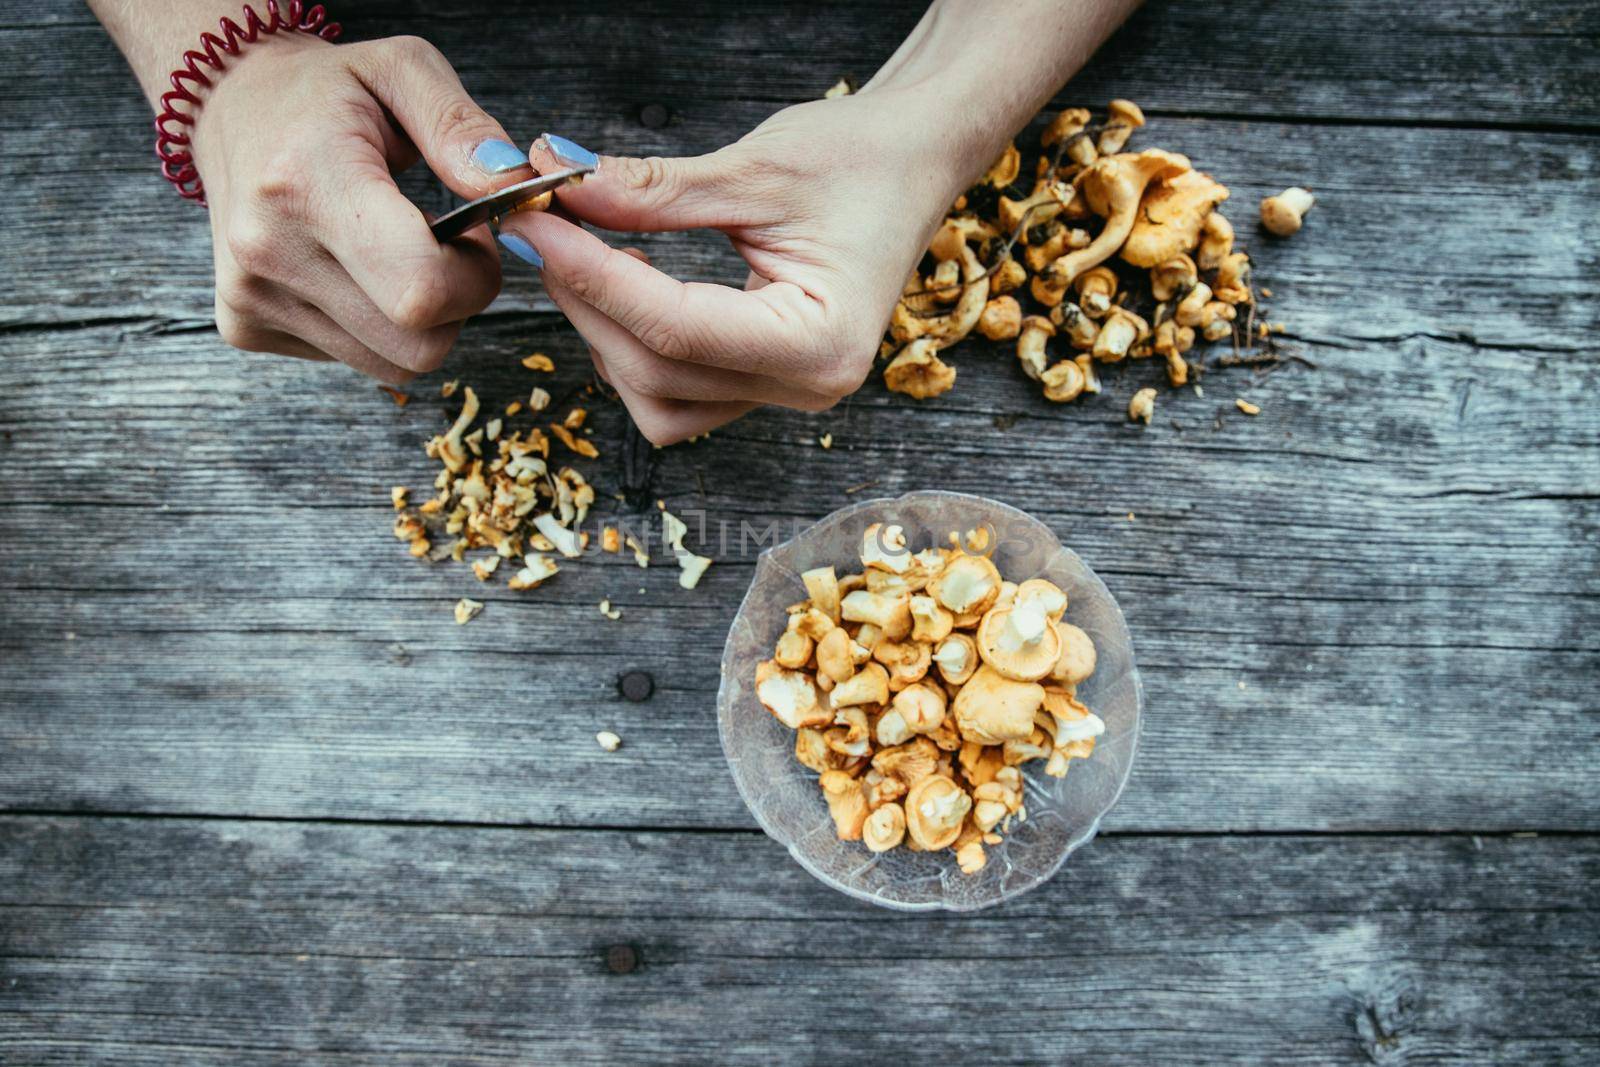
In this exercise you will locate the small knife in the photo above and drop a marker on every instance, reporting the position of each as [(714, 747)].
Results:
[(488, 208)]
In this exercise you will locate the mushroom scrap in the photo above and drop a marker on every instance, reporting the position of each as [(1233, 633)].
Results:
[(1123, 255), (499, 496), (919, 686)]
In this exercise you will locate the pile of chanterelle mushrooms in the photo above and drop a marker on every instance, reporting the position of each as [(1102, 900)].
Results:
[(1118, 255), (918, 687)]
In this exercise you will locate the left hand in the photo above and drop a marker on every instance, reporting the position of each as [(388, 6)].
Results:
[(831, 203)]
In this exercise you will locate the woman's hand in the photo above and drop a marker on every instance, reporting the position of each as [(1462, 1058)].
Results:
[(318, 254), (831, 203)]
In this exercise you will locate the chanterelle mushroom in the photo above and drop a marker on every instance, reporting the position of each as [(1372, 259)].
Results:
[(967, 584), (1122, 118), (1068, 123), (1142, 408), (1035, 331), (910, 762), (1080, 329), (833, 655), (1077, 659), (1120, 331), (1045, 203), (993, 709), (946, 330), (822, 586), (1170, 218), (1233, 279), (1062, 382), (891, 613), (1283, 214), (1216, 241), (869, 685), (885, 828), (922, 707), (1001, 319), (846, 804), (884, 548), (918, 372), (791, 697), (953, 235), (929, 621), (906, 661), (956, 658), (1095, 289), (1113, 187), (1173, 277), (935, 809), (1019, 642)]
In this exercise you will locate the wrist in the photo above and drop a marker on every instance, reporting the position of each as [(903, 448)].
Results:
[(254, 77), (973, 73)]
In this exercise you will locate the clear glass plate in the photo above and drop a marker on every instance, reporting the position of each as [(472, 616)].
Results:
[(1063, 813)]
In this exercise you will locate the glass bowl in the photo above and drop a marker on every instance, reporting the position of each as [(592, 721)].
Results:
[(1063, 813)]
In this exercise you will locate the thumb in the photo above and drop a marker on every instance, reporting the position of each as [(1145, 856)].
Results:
[(469, 151), (643, 195)]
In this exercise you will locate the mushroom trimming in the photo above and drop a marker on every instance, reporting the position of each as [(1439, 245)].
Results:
[(920, 684), (497, 497), (1122, 254)]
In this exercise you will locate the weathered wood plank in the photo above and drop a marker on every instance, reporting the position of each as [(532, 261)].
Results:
[(1295, 61), (172, 941), (1376, 559)]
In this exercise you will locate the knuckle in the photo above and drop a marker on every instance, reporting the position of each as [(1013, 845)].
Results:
[(422, 302), (657, 426), (409, 49), (282, 181), (666, 334), (646, 378), (238, 329), (430, 350), (817, 405), (457, 116), (253, 246), (840, 378), (393, 375), (643, 174)]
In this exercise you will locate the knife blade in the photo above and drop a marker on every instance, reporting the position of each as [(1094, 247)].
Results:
[(488, 208)]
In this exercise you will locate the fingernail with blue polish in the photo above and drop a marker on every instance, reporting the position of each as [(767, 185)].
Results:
[(522, 250), (569, 152), (497, 157)]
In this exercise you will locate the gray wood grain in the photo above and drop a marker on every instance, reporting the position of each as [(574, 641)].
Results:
[(1372, 68), (1327, 600), (155, 942), (1370, 609)]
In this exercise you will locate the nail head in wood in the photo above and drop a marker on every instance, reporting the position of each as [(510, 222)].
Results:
[(636, 686), (622, 959)]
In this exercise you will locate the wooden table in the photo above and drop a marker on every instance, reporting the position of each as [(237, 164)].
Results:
[(263, 802)]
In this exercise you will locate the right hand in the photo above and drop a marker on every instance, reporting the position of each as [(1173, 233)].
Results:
[(318, 253)]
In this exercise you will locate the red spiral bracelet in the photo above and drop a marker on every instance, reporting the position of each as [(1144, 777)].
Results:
[(177, 163)]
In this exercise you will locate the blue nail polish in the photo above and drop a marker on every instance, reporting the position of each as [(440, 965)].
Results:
[(497, 157), (569, 152), (522, 250)]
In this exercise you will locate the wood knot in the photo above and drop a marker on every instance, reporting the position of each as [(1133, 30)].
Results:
[(1383, 1017), (654, 116)]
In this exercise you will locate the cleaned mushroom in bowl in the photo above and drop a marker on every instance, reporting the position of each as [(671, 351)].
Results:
[(920, 685)]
